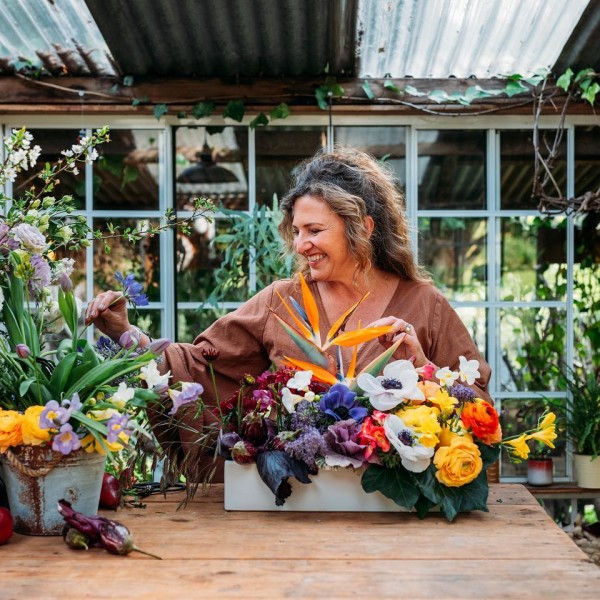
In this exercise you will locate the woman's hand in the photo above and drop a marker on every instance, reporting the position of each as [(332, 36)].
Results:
[(108, 312), (402, 331)]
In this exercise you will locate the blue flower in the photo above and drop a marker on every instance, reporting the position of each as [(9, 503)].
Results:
[(341, 404), (132, 290)]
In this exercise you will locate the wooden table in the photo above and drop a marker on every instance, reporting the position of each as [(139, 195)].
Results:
[(514, 551)]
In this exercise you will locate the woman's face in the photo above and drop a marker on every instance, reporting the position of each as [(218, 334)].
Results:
[(320, 237)]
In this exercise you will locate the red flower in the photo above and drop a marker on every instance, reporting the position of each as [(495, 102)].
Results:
[(481, 417), (373, 436)]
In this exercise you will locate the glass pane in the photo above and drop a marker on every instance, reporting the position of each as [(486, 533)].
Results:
[(475, 321), (127, 173), (53, 142), (516, 417), (199, 260), (534, 257), (142, 258), (278, 152), (388, 144), (454, 251), (191, 322), (451, 169), (532, 346), (517, 167), (587, 159), (211, 162)]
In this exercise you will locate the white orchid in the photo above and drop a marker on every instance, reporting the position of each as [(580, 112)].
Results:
[(414, 456), (468, 370), (397, 384)]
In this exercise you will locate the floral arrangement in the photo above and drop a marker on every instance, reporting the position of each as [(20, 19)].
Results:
[(57, 389), (421, 436)]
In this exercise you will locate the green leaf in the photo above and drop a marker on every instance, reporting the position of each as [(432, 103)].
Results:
[(260, 119), (389, 85), (159, 110), (438, 96), (591, 92), (68, 309), (321, 94), (395, 484), (128, 80), (203, 109), (423, 506), (413, 91), (489, 454), (366, 86), (583, 74), (234, 110), (281, 111), (513, 88), (25, 385), (60, 375)]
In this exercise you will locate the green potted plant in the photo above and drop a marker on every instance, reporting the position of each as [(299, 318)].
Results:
[(583, 428)]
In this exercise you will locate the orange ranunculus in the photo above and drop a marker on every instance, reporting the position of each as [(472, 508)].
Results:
[(10, 429), (33, 434), (429, 388), (457, 464), (492, 438), (481, 418), (373, 436)]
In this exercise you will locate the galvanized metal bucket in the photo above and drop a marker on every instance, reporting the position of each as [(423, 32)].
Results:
[(36, 478)]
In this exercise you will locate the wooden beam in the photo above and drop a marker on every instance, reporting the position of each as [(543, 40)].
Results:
[(104, 95)]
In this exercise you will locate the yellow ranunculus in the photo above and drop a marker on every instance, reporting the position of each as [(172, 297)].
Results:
[(33, 434), (10, 429), (446, 435), (457, 464), (519, 446), (424, 420), (91, 444)]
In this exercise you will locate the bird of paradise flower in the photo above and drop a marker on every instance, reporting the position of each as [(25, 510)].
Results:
[(306, 335)]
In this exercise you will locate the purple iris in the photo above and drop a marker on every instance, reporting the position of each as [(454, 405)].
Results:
[(66, 441), (341, 404), (53, 415), (117, 425), (132, 290)]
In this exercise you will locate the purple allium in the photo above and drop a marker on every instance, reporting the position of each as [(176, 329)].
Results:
[(132, 290), (462, 393), (307, 447), (306, 415), (117, 425), (41, 274), (342, 440), (66, 441), (340, 403), (188, 394), (53, 415)]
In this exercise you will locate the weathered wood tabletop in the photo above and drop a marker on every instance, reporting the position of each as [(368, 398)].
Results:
[(514, 551)]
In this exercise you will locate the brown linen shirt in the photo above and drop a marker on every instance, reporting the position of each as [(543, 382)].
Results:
[(250, 339)]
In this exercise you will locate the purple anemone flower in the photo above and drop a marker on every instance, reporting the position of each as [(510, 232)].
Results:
[(341, 404), (53, 415), (132, 290), (344, 449), (66, 441)]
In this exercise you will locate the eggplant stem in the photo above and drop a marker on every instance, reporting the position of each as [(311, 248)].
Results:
[(136, 549)]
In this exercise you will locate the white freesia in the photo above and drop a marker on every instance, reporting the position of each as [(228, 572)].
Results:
[(468, 370), (300, 381), (122, 395), (446, 376), (152, 377), (289, 400), (414, 456), (397, 384)]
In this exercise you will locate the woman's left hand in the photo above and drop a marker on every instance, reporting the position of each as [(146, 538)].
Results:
[(402, 331)]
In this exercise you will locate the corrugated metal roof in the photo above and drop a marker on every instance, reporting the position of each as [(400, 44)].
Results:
[(462, 38), (224, 38), (59, 36)]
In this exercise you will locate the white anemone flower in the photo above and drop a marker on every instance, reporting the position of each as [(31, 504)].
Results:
[(414, 456), (397, 384), (468, 370), (446, 376), (300, 381)]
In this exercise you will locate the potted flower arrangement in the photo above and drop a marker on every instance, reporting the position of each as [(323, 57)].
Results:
[(418, 436), (62, 399)]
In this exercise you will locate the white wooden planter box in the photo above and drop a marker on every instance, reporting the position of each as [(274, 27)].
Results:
[(330, 491)]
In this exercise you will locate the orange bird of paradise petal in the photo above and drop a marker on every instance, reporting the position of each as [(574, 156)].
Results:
[(318, 372), (352, 338), (343, 320), (310, 306), (301, 326)]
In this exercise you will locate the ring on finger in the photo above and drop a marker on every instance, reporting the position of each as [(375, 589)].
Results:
[(408, 328)]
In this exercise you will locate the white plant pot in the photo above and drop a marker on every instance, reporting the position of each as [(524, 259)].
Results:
[(587, 471), (330, 491), (539, 471)]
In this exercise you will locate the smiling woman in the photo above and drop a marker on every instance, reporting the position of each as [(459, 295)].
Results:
[(344, 221)]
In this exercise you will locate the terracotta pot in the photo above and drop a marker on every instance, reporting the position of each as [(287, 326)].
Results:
[(587, 471), (36, 478), (539, 471)]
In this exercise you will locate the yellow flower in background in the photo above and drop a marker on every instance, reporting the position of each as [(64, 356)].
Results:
[(424, 420), (10, 429), (459, 463), (546, 436), (33, 434), (519, 446), (548, 421)]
